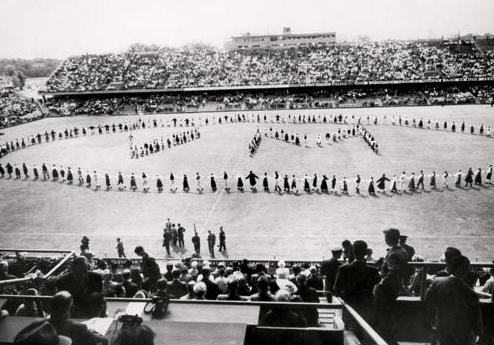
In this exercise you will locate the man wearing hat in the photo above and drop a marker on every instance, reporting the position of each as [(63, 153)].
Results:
[(385, 294), (355, 281), (329, 268), (40, 332)]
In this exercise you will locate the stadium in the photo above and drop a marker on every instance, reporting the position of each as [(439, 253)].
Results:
[(286, 156)]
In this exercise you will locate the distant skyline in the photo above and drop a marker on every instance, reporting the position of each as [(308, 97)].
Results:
[(61, 28)]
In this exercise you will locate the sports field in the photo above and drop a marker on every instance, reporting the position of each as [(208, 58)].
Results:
[(37, 214)]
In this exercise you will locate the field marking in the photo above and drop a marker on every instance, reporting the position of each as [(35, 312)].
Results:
[(213, 209)]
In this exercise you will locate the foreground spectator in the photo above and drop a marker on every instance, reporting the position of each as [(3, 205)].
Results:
[(329, 268), (283, 316), (60, 307), (4, 269), (83, 285), (142, 335), (40, 332), (308, 294), (263, 284), (456, 306), (355, 281), (28, 307)]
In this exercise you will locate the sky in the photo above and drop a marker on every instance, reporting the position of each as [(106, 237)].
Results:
[(61, 28)]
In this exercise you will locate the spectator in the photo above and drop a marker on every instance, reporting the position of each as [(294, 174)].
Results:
[(60, 308), (347, 251), (176, 288), (488, 287), (142, 335), (190, 291), (81, 284), (391, 286), (263, 295), (222, 281), (149, 268), (200, 291), (28, 307), (40, 332), (450, 255), (329, 268), (130, 287), (212, 291), (232, 294), (162, 285), (355, 282), (314, 280), (456, 306), (308, 295), (4, 269), (283, 316)]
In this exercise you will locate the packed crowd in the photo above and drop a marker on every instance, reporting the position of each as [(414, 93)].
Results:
[(370, 286), (169, 103), (13, 108), (176, 69)]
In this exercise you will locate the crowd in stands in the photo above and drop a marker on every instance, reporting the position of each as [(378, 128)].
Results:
[(206, 67), (370, 286), (13, 108), (168, 103)]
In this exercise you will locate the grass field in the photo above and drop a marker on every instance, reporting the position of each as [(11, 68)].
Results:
[(258, 225)]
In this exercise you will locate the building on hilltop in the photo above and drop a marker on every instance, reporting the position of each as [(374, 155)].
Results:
[(286, 40)]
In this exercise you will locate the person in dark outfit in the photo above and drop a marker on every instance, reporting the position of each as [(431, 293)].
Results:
[(355, 282), (180, 236), (196, 241), (82, 284), (167, 237), (329, 268), (308, 295), (252, 180), (60, 312), (149, 268), (211, 243), (456, 306), (222, 240)]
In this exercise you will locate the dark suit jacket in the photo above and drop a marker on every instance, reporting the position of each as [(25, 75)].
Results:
[(457, 310), (78, 332), (177, 288), (329, 268)]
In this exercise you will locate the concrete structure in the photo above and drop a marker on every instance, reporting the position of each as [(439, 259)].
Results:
[(286, 40)]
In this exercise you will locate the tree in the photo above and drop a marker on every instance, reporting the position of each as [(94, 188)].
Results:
[(9, 70)]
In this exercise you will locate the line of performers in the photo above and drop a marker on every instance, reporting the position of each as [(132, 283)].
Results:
[(157, 145), (126, 126), (286, 184)]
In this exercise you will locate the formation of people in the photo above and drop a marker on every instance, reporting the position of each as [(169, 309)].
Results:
[(156, 145), (258, 117), (286, 183)]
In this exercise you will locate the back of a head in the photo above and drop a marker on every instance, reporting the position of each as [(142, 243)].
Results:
[(4, 267), (263, 283), (199, 289), (360, 249), (392, 236), (232, 285), (460, 266), (301, 279), (451, 254), (142, 335), (61, 304), (139, 250), (176, 274), (80, 265), (162, 284), (282, 296)]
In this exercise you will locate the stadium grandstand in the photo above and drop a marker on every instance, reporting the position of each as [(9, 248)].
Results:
[(350, 180)]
